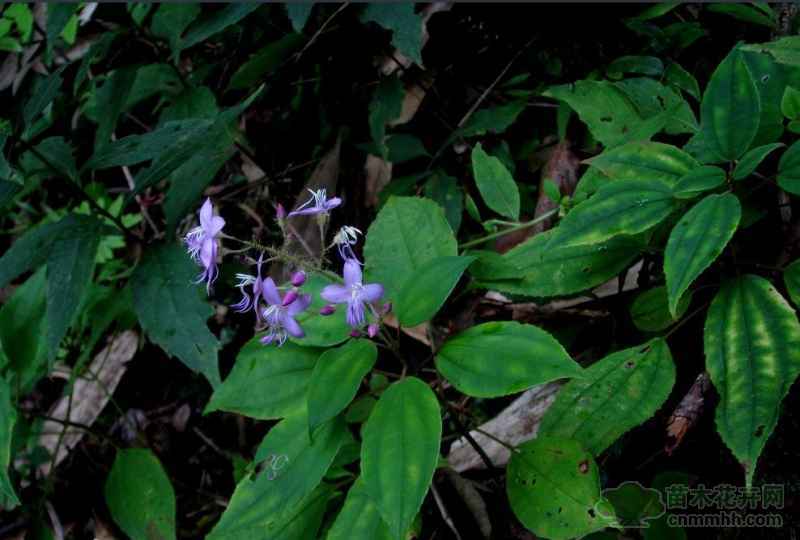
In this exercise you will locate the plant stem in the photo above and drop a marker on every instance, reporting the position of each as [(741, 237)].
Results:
[(515, 228)]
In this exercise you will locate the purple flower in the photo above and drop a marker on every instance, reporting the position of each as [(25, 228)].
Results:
[(317, 204), (298, 278), (354, 293), (203, 244), (279, 317), (245, 280), (344, 240)]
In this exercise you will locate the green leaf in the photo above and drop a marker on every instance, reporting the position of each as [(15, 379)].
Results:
[(22, 16), (170, 20), (553, 486), (214, 22), (540, 269), (403, 147), (386, 105), (611, 116), (406, 26), (265, 503), (785, 50), (70, 264), (336, 378), (8, 417), (359, 518), (645, 160), (491, 119), (645, 65), (771, 80), (298, 14), (731, 108), (637, 380), (446, 191), (196, 102), (28, 251), (619, 208), (140, 496), (698, 180), (657, 103), (265, 61), (22, 325), (678, 77), (395, 248), (497, 186), (111, 98), (789, 169), (650, 310), (282, 375), (58, 15), (321, 330), (427, 289), (745, 13), (170, 309), (44, 90), (790, 103), (400, 451), (697, 240), (752, 159), (531, 356), (752, 347), (791, 278)]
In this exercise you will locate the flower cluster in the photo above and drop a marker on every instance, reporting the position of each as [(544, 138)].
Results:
[(276, 312)]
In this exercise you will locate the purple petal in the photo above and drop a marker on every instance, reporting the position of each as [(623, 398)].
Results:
[(208, 252), (355, 314), (332, 203), (298, 278), (244, 304), (372, 292), (206, 213), (299, 305), (266, 340), (336, 294), (306, 211), (288, 298), (372, 330), (216, 225), (292, 327), (327, 309), (270, 292), (352, 272)]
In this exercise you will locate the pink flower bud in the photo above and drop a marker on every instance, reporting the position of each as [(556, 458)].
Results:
[(372, 330), (327, 310), (280, 212), (290, 297), (298, 278), (355, 333), (387, 307)]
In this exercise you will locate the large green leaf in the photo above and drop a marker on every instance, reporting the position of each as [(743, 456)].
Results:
[(385, 106), (140, 496), (400, 451), (703, 178), (216, 21), (752, 347), (294, 465), (619, 208), (110, 101), (645, 160), (791, 278), (731, 108), (302, 521), (446, 191), (336, 378), (406, 26), (650, 310), (8, 417), (359, 518), (407, 233), (497, 186), (789, 169), (170, 20), (427, 289), (70, 263), (785, 50), (747, 165), (281, 374), (614, 395), (265, 61), (654, 101), (170, 310), (41, 95), (22, 326), (536, 268), (697, 240), (553, 486), (530, 356)]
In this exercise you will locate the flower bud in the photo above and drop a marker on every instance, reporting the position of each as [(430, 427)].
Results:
[(298, 278), (372, 330), (280, 212), (290, 297), (355, 333), (387, 308), (328, 309)]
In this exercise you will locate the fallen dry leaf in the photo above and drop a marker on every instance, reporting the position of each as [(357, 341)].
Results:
[(378, 175), (420, 332), (90, 395), (687, 412)]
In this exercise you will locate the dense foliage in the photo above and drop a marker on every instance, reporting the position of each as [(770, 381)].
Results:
[(464, 271)]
